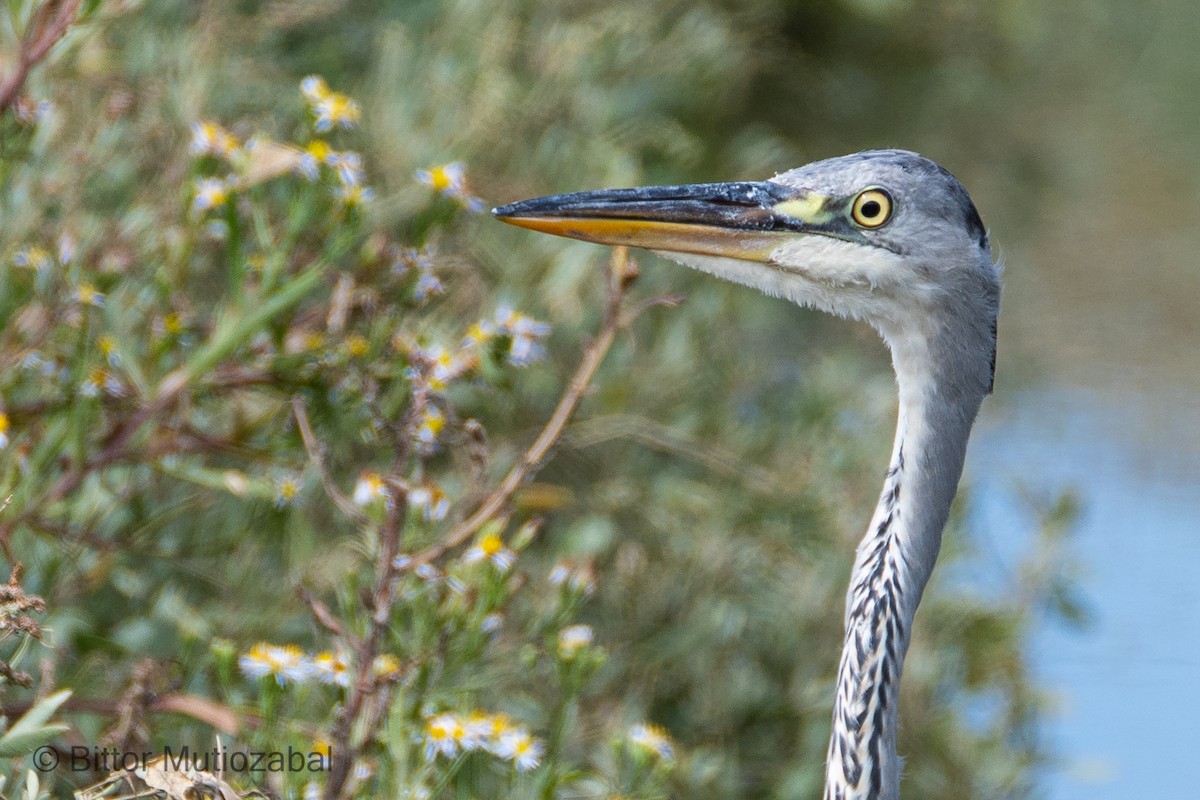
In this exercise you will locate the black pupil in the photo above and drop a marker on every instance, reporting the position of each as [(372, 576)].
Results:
[(871, 209)]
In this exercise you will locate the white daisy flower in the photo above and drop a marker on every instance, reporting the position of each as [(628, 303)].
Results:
[(572, 639), (491, 548), (653, 739)]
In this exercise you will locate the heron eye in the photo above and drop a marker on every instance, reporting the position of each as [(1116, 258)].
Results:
[(872, 208)]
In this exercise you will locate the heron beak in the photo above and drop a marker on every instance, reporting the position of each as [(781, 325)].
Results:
[(746, 221)]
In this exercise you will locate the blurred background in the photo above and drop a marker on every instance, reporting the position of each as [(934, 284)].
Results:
[(730, 457)]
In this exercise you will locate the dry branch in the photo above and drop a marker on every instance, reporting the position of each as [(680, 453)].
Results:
[(48, 25), (622, 273)]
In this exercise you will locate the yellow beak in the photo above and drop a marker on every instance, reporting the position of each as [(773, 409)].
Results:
[(734, 220)]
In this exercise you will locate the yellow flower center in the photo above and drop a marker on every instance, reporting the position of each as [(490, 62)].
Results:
[(88, 294), (439, 179), (212, 194), (225, 144), (477, 334), (434, 422), (35, 257), (340, 107), (319, 150), (386, 666)]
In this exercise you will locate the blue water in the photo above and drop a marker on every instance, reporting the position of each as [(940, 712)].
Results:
[(1126, 716)]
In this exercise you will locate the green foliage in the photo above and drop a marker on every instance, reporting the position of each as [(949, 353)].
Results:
[(249, 385), (34, 728)]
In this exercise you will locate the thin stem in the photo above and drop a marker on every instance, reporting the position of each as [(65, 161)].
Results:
[(315, 455), (358, 704), (50, 22)]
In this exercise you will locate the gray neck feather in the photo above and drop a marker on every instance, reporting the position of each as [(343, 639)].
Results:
[(941, 387)]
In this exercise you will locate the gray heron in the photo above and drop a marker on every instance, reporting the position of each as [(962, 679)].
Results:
[(890, 238)]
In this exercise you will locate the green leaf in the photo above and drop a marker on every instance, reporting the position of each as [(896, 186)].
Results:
[(17, 10), (12, 746), (31, 730)]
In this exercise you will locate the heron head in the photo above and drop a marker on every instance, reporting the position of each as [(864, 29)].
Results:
[(886, 236)]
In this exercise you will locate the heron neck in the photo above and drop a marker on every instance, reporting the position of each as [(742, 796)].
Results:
[(893, 564)]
